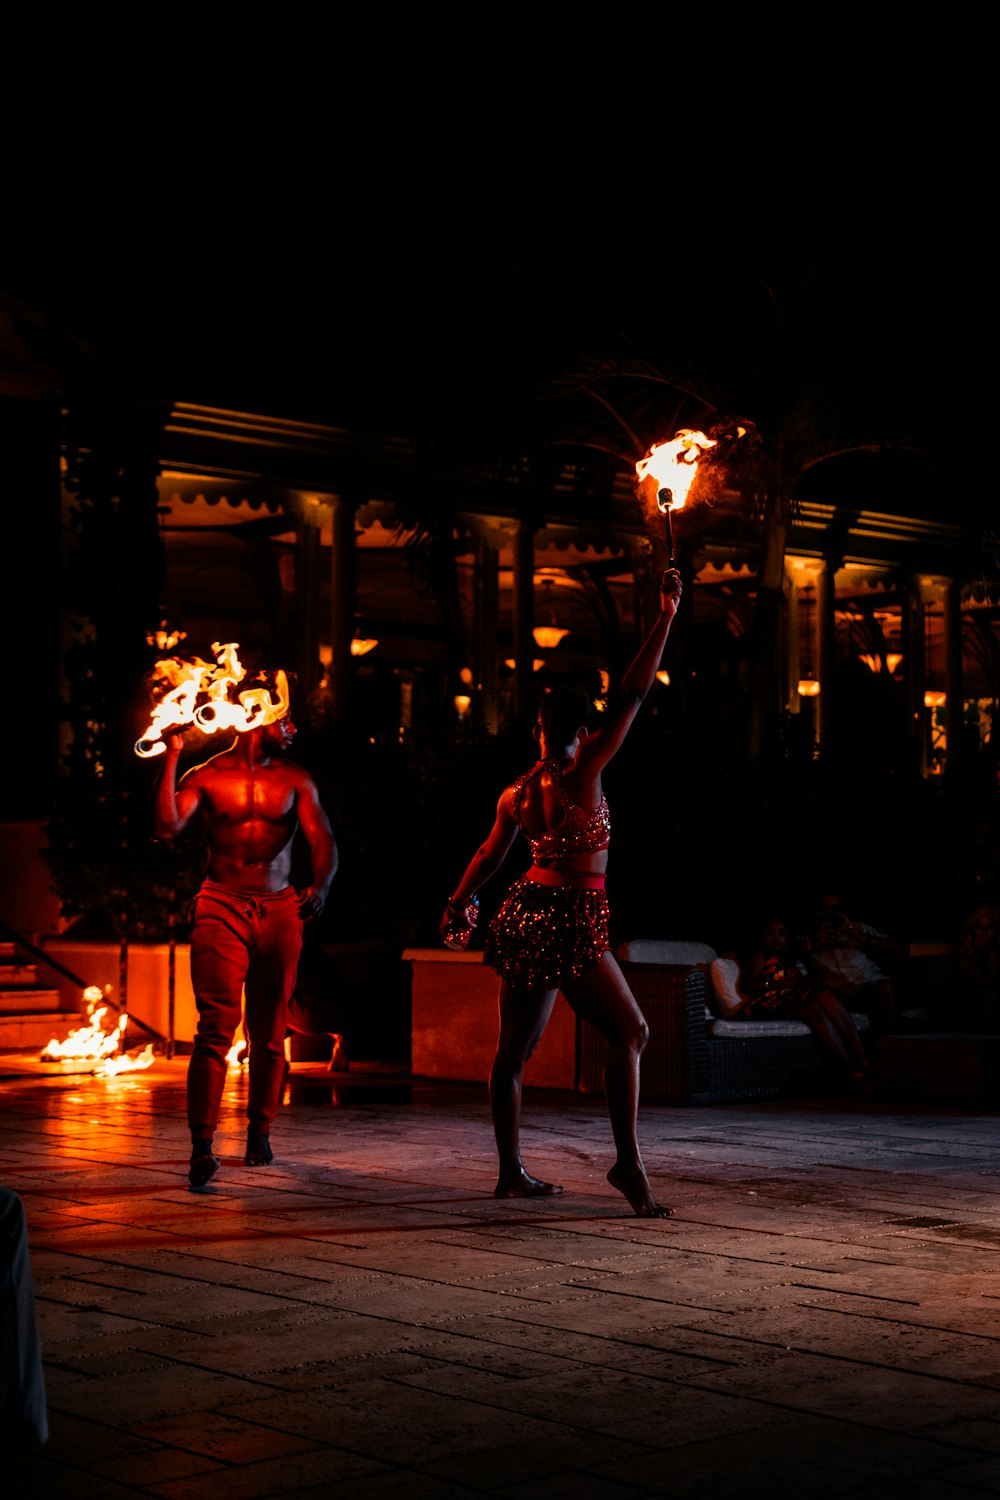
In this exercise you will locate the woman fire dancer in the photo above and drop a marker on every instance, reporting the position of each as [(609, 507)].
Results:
[(551, 932)]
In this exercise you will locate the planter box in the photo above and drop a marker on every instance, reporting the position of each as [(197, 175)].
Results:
[(454, 1023), (941, 1068), (147, 991), (375, 978)]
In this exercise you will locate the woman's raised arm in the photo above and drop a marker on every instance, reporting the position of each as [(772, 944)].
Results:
[(598, 748)]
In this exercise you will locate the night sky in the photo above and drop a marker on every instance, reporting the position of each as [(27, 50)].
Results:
[(390, 324), (395, 231)]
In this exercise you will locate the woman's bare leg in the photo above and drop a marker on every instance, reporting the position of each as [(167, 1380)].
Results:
[(523, 1017), (840, 1018), (814, 1016), (833, 1028), (602, 997)]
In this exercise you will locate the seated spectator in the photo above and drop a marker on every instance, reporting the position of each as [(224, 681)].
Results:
[(777, 983), (23, 1414), (845, 955), (973, 980)]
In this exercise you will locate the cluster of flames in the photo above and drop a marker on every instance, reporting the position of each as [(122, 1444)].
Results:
[(205, 694), (673, 466), (105, 1047), (92, 1043)]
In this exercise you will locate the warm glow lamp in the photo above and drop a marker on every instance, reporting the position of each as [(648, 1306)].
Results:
[(808, 684), (547, 637)]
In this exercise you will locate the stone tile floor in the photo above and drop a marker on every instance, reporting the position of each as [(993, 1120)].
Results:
[(821, 1317)]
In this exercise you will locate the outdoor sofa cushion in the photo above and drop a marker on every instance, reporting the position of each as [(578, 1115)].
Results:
[(724, 994)]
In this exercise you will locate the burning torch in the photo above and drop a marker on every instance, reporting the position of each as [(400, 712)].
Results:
[(211, 697), (673, 466)]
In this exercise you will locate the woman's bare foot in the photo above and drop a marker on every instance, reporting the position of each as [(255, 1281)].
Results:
[(862, 1082), (521, 1184), (635, 1186)]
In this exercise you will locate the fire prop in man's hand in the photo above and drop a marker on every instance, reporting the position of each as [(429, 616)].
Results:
[(673, 466), (205, 695)]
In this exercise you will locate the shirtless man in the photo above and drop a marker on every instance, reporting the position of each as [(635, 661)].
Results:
[(247, 917)]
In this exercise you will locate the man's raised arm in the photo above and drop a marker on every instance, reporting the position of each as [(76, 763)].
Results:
[(172, 807)]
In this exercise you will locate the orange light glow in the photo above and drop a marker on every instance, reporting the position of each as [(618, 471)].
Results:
[(110, 1067), (547, 637), (673, 466), (808, 687), (196, 692), (165, 639), (874, 663)]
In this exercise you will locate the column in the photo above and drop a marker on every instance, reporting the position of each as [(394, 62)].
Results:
[(524, 618), (307, 596), (914, 667), (487, 610), (953, 685), (343, 592), (793, 580), (826, 648)]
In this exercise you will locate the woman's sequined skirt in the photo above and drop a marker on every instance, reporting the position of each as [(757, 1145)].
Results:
[(545, 935)]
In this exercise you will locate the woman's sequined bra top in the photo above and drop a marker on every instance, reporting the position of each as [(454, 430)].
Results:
[(584, 830)]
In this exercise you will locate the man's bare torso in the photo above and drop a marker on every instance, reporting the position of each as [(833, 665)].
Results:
[(250, 817)]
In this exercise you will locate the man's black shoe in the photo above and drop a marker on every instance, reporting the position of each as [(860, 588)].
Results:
[(202, 1169)]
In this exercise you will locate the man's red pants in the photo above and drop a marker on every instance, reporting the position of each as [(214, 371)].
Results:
[(241, 941)]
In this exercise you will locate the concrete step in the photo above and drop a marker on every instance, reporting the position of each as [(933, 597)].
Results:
[(31, 1032), (15, 1002), (14, 975)]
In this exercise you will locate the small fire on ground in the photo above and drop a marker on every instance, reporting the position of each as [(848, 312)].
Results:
[(93, 1043), (238, 1055)]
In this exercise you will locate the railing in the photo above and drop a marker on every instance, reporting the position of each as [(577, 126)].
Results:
[(53, 963)]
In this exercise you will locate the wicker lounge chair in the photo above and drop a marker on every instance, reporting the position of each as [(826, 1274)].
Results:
[(695, 1057)]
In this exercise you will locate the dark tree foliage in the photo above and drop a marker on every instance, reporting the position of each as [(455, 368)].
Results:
[(105, 868)]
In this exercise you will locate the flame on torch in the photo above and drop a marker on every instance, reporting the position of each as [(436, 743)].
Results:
[(672, 466), (200, 693)]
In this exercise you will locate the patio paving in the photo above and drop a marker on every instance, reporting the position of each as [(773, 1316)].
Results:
[(364, 1320)]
